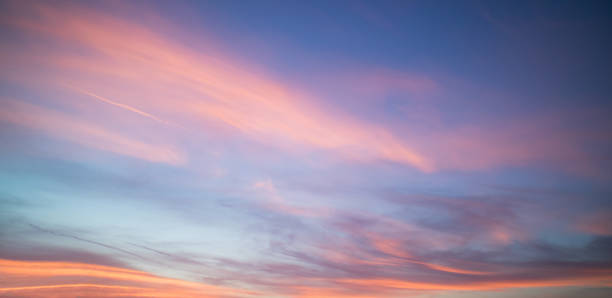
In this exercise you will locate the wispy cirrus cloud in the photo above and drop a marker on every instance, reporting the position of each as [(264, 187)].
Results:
[(274, 201), (196, 88), (120, 105), (206, 90), (68, 127)]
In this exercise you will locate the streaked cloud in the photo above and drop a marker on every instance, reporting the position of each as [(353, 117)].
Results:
[(44, 279), (120, 105), (399, 284), (64, 126), (596, 223), (212, 87)]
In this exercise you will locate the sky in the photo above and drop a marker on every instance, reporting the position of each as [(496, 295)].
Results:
[(306, 149)]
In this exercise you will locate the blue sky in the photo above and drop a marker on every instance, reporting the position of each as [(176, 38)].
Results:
[(306, 149)]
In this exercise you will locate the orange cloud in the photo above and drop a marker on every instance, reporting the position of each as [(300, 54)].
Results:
[(604, 281), (57, 279), (395, 255), (64, 126), (392, 247), (325, 292)]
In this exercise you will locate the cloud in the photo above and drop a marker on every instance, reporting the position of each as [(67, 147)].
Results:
[(272, 200), (196, 88), (490, 221), (401, 284), (44, 279), (203, 89), (376, 256), (67, 127), (542, 140), (120, 105), (596, 223), (130, 77), (20, 250), (66, 235)]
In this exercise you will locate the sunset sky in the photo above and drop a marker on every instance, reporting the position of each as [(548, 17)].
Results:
[(306, 149)]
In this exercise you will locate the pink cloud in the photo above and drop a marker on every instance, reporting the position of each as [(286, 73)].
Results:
[(196, 88), (120, 105), (274, 201), (596, 223), (543, 140), (137, 69), (64, 126)]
